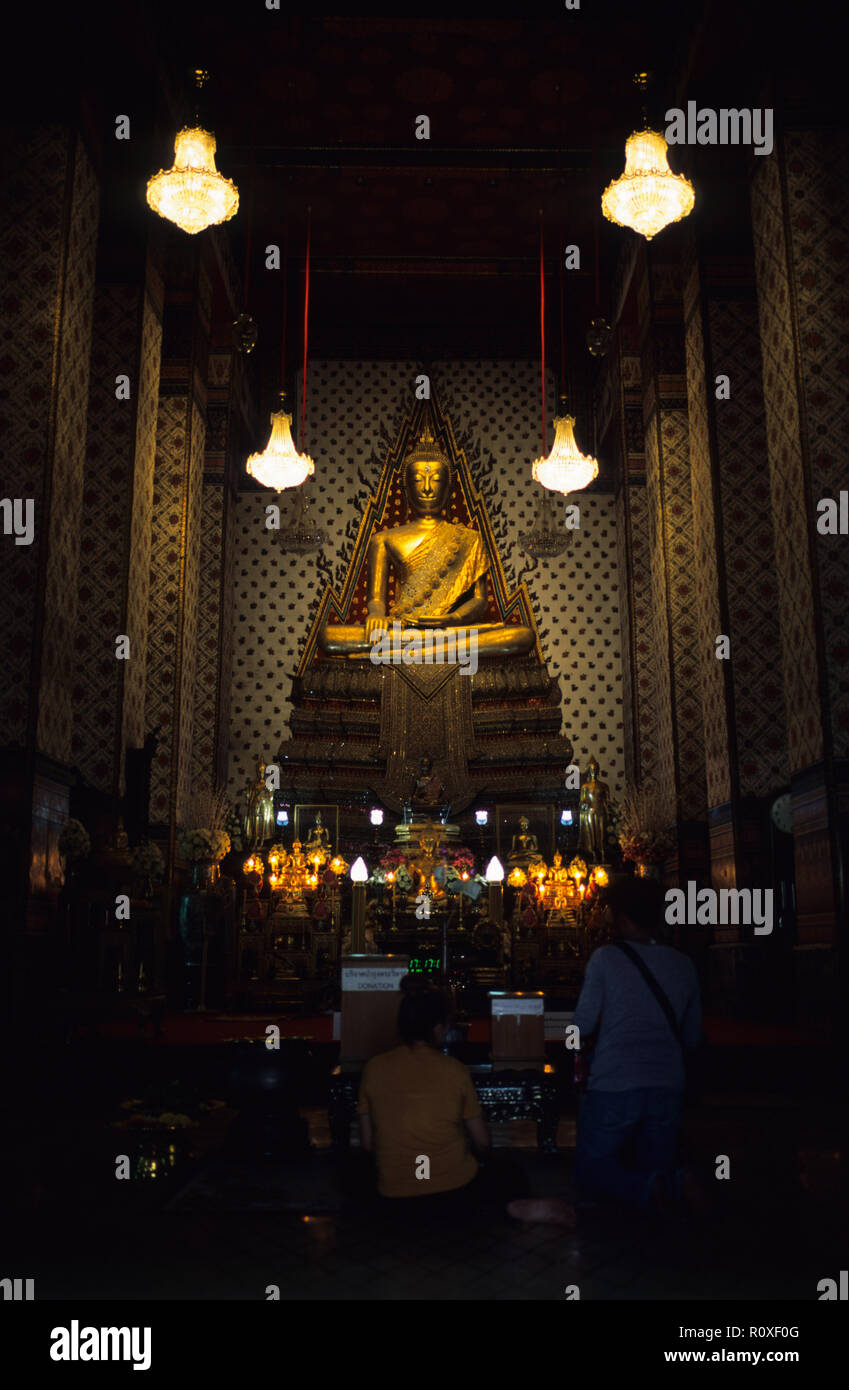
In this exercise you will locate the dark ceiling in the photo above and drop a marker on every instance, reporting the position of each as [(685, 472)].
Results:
[(419, 248)]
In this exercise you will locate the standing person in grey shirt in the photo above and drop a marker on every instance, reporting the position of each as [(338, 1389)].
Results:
[(636, 1082)]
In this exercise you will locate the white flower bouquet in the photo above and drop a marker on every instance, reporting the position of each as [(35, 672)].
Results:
[(147, 861)]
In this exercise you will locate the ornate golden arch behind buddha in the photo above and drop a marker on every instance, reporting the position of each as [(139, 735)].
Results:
[(441, 570)]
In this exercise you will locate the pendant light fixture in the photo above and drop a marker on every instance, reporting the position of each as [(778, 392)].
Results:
[(280, 465), (565, 469), (192, 193), (647, 197)]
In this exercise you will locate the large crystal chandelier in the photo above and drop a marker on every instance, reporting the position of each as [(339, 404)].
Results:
[(280, 465), (647, 196), (192, 193), (566, 469)]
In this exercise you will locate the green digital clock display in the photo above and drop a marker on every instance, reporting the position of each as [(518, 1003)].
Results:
[(423, 965)]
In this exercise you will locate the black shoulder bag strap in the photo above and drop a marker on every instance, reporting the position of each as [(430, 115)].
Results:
[(656, 990)]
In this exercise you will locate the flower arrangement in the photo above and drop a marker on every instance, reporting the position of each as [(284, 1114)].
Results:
[(147, 861), (392, 859), (74, 841), (462, 860), (643, 836), (194, 844), (203, 836)]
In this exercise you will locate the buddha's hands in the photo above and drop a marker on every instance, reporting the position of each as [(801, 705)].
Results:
[(375, 622), (428, 620)]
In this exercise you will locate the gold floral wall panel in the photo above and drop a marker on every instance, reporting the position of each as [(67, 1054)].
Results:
[(354, 413)]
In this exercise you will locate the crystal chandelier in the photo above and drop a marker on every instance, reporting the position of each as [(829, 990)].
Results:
[(546, 539), (648, 196), (302, 535), (192, 193), (566, 469), (280, 465)]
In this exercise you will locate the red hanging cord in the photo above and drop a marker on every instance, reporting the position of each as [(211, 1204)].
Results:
[(306, 317), (562, 320), (285, 300), (542, 325)]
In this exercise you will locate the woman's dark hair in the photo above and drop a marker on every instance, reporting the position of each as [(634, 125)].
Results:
[(639, 899), (423, 1008)]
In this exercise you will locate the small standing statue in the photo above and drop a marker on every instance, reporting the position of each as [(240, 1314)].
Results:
[(426, 794), (593, 815), (524, 849), (259, 816)]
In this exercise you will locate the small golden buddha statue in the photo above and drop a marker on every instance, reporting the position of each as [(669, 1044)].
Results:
[(524, 849), (318, 840), (593, 814), (559, 888), (427, 795), (440, 570)]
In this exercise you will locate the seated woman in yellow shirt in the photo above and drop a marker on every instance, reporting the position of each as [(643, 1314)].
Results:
[(421, 1118)]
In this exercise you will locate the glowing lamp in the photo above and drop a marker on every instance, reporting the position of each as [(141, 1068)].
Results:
[(482, 817), (517, 878), (280, 465), (494, 871), (359, 872), (601, 876), (566, 469), (337, 864), (647, 197), (376, 816), (192, 193), (253, 865)]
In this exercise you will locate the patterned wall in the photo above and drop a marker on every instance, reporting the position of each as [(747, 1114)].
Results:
[(353, 415), (796, 604), (59, 667), (35, 167), (681, 755), (818, 204), (708, 616), (138, 559), (115, 559)]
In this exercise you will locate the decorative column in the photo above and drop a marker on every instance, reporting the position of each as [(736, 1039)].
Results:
[(799, 217), (680, 766), (176, 546), (117, 520), (736, 594), (48, 248)]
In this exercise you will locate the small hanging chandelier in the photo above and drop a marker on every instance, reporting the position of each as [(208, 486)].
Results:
[(647, 197), (192, 193), (566, 469), (546, 539), (302, 535), (280, 465)]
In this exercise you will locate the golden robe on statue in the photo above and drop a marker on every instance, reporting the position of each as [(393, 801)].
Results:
[(444, 565)]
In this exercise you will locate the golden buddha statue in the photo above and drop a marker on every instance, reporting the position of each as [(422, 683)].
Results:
[(524, 849), (559, 888), (440, 570), (593, 814), (318, 841)]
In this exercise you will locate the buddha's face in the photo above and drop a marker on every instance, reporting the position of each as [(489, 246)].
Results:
[(523, 824), (427, 483), (592, 768), (318, 820), (558, 859)]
